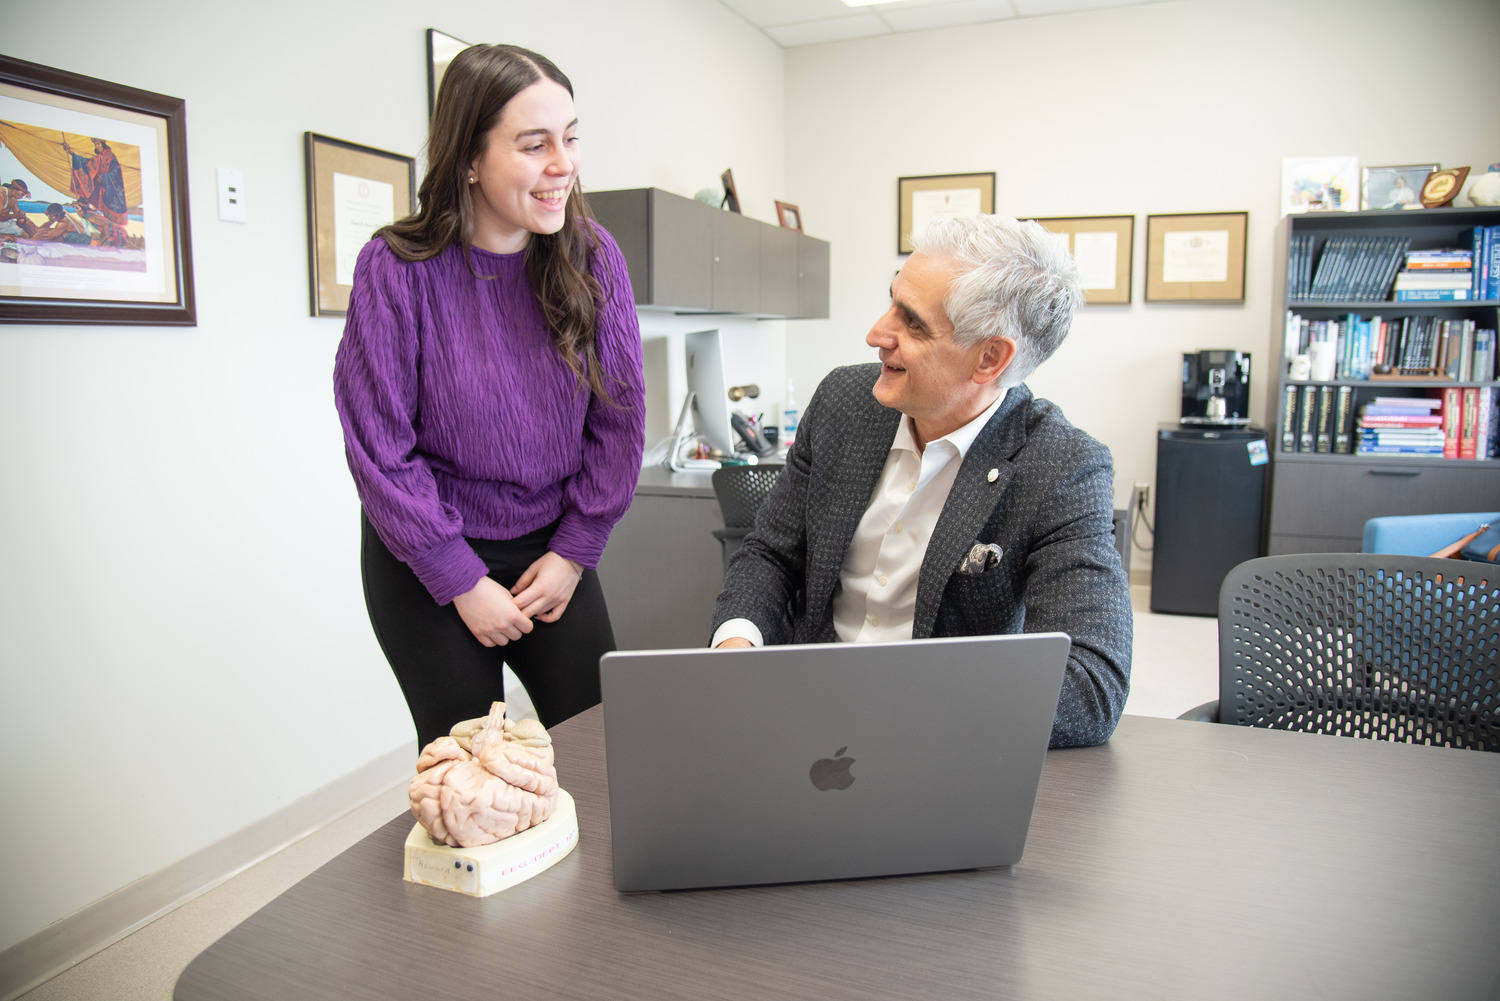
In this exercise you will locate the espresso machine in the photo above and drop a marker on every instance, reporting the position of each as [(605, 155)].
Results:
[(1210, 485), (1216, 387)]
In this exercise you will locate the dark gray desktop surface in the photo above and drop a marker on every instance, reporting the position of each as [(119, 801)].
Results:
[(1180, 860)]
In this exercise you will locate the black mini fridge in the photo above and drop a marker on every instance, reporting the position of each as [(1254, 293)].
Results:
[(1210, 491)]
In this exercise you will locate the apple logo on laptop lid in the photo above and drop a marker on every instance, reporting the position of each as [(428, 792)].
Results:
[(832, 773)]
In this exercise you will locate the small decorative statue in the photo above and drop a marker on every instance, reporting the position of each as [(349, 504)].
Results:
[(1486, 188), (488, 779)]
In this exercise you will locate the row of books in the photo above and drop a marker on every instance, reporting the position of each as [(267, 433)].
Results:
[(1349, 268), (1456, 349), (1462, 423), (1382, 268), (1317, 419)]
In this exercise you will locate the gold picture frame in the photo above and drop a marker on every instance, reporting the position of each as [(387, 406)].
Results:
[(937, 196), (352, 191), (1104, 248), (789, 216), (1196, 257)]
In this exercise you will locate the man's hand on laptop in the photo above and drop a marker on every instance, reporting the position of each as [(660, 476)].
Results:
[(734, 643)]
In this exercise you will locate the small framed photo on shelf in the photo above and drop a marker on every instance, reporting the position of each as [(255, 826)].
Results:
[(1394, 187), (1103, 247), (351, 192), (94, 209), (940, 196), (789, 216), (731, 195), (441, 49), (1320, 184), (1196, 257)]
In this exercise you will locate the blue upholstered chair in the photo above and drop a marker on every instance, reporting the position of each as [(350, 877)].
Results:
[(1421, 534)]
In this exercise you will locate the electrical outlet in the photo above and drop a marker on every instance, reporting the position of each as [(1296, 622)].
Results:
[(1142, 496)]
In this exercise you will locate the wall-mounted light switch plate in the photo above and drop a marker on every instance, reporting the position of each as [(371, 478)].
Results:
[(231, 194)]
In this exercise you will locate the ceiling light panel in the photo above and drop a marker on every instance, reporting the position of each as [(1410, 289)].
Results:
[(835, 30), (947, 15), (765, 13)]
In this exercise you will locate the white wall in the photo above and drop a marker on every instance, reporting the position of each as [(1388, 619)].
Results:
[(1173, 107), (183, 641)]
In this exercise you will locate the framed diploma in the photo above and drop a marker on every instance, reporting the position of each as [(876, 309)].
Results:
[(1103, 248), (1196, 258), (940, 196), (351, 192), (94, 204)]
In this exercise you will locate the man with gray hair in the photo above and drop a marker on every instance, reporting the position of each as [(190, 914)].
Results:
[(933, 495)]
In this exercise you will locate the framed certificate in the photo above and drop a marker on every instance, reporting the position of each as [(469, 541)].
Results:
[(351, 192), (1103, 248), (1196, 257), (940, 196)]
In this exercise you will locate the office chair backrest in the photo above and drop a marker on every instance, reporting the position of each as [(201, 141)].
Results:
[(740, 489), (1389, 647)]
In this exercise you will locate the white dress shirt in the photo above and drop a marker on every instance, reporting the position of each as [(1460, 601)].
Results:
[(877, 597)]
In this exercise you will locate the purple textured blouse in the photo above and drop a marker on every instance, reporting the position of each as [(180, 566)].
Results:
[(461, 419)]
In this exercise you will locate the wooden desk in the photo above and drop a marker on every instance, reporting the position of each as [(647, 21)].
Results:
[(1181, 860)]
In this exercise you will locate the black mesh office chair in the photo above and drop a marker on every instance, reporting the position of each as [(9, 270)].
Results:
[(1387, 647), (740, 489)]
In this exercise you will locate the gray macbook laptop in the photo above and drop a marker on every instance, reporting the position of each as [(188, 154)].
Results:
[(831, 761)]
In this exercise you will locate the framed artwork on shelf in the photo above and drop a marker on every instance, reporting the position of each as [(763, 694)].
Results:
[(731, 195), (1198, 257), (1102, 246), (441, 49), (1320, 184), (789, 216), (940, 196), (351, 192), (1394, 187), (94, 209)]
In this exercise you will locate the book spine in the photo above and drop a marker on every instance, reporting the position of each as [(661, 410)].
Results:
[(1468, 430), (1452, 416), (1343, 421), (1289, 420), (1481, 260), (1324, 440), (1432, 295), (1305, 418), (1485, 432), (1492, 284)]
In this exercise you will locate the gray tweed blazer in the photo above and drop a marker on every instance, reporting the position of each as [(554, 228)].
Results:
[(1050, 510)]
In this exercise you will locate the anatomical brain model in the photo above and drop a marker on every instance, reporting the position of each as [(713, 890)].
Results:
[(488, 779)]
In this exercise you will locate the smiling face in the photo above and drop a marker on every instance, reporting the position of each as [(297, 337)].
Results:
[(924, 374), (529, 164)]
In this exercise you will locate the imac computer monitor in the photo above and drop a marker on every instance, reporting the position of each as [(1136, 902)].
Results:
[(710, 389)]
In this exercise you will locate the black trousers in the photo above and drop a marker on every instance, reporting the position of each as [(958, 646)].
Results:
[(447, 675)]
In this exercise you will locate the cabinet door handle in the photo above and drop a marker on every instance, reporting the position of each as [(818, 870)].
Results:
[(1395, 472)]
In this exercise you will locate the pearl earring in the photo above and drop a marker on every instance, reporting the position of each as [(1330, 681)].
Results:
[(471, 180)]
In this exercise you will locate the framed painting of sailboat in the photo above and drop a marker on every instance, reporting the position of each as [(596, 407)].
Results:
[(93, 201)]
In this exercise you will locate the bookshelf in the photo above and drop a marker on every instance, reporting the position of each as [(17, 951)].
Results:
[(1320, 499)]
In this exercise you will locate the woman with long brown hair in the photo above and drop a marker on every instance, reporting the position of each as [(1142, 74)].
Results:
[(489, 386)]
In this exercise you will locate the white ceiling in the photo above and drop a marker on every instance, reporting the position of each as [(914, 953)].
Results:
[(808, 22)]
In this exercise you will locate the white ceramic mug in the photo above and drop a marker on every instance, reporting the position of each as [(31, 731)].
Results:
[(1323, 360), (1300, 368)]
